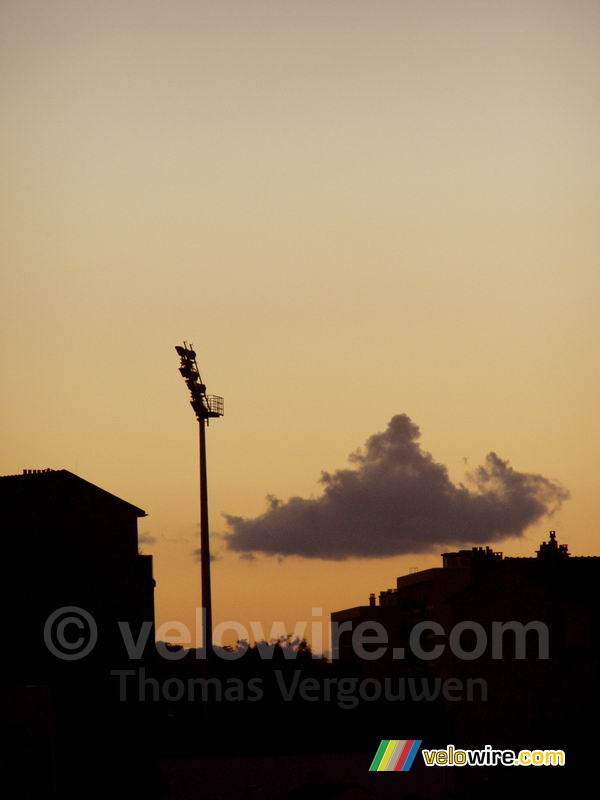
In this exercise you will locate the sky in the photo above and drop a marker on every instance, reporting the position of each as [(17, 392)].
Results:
[(355, 211)]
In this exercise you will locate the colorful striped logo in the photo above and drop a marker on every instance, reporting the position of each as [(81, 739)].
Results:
[(395, 755)]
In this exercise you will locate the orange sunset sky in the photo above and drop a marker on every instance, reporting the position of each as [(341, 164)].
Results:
[(352, 209)]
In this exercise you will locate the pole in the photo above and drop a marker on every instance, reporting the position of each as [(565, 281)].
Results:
[(204, 546)]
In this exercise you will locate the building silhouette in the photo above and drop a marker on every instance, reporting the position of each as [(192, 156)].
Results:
[(70, 544), (532, 698)]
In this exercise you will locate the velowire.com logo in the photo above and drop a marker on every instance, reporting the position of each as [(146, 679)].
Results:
[(395, 755)]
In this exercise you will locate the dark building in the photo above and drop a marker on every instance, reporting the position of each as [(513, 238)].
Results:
[(484, 585), (70, 544), (534, 697)]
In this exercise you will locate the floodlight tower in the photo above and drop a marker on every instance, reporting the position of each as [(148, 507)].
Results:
[(205, 407)]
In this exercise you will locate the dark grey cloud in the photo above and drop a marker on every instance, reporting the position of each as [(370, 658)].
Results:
[(213, 556), (396, 499)]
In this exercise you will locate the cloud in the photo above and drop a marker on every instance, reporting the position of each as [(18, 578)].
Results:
[(396, 499), (213, 556), (150, 538)]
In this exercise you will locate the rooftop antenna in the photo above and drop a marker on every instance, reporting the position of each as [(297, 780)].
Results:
[(206, 406)]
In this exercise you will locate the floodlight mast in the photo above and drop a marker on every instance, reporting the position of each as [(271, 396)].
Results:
[(205, 407)]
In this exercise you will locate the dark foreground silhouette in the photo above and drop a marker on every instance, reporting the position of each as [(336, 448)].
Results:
[(275, 722)]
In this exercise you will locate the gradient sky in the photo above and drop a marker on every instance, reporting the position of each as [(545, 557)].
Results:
[(352, 209)]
